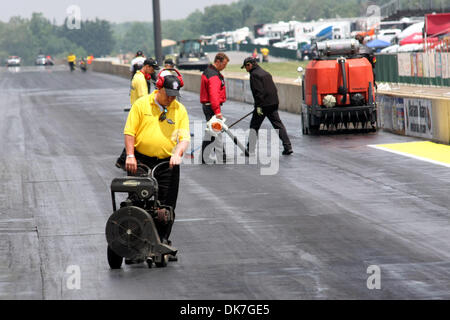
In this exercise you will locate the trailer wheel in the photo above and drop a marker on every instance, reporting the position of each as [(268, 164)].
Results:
[(114, 260)]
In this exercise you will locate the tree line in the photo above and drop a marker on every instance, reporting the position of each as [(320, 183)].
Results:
[(30, 37)]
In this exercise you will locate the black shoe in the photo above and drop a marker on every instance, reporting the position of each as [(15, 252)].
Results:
[(287, 152)]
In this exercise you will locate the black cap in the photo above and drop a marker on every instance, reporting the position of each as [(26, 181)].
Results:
[(169, 61), (172, 85), (139, 53), (152, 63), (248, 60)]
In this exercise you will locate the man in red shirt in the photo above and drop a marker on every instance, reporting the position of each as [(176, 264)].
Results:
[(212, 96)]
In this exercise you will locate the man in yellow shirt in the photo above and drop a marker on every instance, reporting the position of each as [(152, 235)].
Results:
[(265, 54), (139, 85), (71, 58), (157, 130)]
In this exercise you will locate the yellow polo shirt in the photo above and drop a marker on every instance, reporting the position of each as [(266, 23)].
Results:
[(71, 58), (156, 138), (138, 87)]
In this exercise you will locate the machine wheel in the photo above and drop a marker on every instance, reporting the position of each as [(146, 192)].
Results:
[(303, 125), (114, 260), (163, 263), (314, 130), (149, 263)]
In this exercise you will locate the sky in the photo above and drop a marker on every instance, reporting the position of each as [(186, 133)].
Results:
[(111, 10)]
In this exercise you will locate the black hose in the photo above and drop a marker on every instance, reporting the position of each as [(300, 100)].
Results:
[(344, 89)]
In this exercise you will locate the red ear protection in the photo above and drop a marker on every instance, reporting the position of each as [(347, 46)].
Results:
[(167, 72)]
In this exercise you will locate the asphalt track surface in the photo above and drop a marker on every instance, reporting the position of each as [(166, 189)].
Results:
[(310, 231)]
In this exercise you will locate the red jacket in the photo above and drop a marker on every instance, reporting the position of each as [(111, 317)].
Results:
[(212, 88)]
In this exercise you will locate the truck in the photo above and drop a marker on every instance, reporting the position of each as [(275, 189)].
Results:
[(191, 55)]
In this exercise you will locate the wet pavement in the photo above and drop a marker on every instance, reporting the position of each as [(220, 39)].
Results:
[(311, 227)]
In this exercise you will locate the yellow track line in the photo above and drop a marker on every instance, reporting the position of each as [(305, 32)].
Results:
[(422, 150)]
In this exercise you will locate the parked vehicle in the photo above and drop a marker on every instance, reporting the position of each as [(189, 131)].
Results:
[(192, 56), (13, 61)]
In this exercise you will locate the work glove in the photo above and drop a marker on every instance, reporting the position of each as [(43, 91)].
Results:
[(259, 111)]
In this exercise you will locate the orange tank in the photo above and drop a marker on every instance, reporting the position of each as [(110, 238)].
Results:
[(338, 94), (327, 77)]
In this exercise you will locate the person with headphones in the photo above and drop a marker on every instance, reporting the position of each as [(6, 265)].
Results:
[(157, 130), (139, 84)]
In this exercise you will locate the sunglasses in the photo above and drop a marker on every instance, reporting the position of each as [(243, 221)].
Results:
[(163, 115), (248, 64)]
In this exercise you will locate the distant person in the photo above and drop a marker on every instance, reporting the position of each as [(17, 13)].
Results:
[(169, 68), (266, 104), (139, 88), (137, 63), (169, 64), (255, 54), (71, 59), (265, 54), (83, 65), (139, 85), (367, 53), (212, 97)]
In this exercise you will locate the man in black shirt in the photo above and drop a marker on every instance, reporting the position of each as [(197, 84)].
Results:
[(266, 101)]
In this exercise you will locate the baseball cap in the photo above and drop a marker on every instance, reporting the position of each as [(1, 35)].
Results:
[(169, 61), (152, 63), (247, 60), (172, 85)]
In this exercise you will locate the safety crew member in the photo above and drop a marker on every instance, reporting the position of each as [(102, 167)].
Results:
[(265, 97), (139, 88), (157, 130), (265, 54), (139, 85), (71, 58), (212, 97), (367, 53), (169, 64)]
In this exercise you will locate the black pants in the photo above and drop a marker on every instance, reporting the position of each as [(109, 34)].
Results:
[(168, 183), (271, 113), (208, 139), (72, 66)]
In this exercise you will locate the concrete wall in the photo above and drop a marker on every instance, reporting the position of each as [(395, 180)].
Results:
[(121, 70)]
